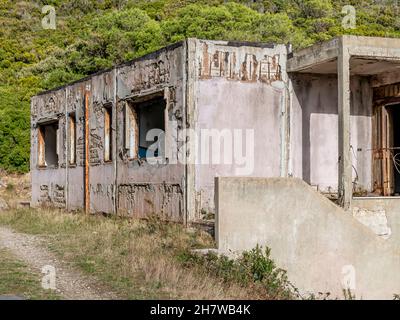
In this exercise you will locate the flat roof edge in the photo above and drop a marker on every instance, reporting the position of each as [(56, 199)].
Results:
[(150, 55), (120, 65)]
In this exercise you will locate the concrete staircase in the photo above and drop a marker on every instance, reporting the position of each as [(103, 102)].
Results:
[(322, 247)]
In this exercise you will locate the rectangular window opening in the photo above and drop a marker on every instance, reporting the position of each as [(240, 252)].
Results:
[(145, 128), (131, 131), (48, 145)]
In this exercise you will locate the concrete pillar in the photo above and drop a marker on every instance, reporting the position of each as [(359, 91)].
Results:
[(190, 94), (345, 166)]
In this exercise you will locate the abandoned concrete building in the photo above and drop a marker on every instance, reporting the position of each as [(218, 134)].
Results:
[(328, 115), (111, 112)]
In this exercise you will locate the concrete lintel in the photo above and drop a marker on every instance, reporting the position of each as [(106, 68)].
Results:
[(309, 59), (312, 56), (373, 47)]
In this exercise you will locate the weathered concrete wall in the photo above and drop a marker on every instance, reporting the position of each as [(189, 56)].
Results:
[(101, 172), (75, 173), (145, 188), (48, 185), (382, 215), (323, 248), (228, 85), (68, 178), (239, 87), (128, 186), (314, 131)]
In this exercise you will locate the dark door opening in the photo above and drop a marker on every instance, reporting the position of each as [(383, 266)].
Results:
[(394, 145)]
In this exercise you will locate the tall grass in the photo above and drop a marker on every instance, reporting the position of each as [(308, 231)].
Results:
[(138, 259)]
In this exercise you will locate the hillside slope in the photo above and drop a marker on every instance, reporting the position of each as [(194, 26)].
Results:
[(95, 34)]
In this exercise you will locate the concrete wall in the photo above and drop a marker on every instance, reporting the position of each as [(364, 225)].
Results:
[(129, 186), (314, 131), (320, 245), (382, 215), (215, 85), (48, 185), (145, 188), (239, 87)]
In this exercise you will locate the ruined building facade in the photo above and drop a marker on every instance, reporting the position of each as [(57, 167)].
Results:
[(193, 84), (327, 114)]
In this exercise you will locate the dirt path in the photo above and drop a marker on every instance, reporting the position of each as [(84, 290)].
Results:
[(70, 283)]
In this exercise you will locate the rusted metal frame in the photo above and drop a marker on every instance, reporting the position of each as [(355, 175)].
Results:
[(108, 134), (381, 153), (386, 150), (384, 146), (41, 150), (87, 190), (377, 154), (72, 139)]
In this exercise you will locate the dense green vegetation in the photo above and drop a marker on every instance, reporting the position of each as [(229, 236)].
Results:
[(95, 34)]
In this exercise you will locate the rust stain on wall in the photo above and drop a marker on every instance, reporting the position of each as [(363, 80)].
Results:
[(147, 76), (223, 64), (144, 199), (384, 92)]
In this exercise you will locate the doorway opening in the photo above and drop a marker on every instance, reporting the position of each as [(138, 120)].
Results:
[(387, 150), (394, 124)]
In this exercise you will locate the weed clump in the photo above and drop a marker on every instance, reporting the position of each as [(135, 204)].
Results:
[(252, 268)]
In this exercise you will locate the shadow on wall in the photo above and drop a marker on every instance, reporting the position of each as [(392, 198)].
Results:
[(316, 102)]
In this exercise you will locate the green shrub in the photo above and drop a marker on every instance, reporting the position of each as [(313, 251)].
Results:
[(254, 267), (92, 35)]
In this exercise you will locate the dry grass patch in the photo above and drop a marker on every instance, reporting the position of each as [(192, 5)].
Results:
[(15, 188), (17, 280), (138, 259)]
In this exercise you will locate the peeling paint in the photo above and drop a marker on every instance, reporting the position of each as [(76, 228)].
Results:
[(118, 181)]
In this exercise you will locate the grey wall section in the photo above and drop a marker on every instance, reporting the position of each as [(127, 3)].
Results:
[(101, 173), (382, 215), (314, 131), (205, 85), (75, 173), (239, 87), (322, 247), (145, 188), (130, 186), (48, 185)]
